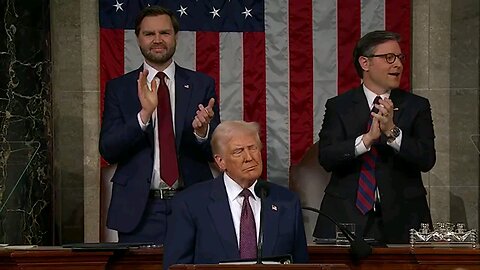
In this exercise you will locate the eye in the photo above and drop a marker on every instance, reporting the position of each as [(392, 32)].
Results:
[(390, 57), (237, 152)]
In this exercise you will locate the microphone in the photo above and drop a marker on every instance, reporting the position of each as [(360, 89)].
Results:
[(359, 248), (262, 190)]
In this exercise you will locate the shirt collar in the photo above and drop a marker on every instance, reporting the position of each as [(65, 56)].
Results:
[(371, 95), (234, 189), (152, 72)]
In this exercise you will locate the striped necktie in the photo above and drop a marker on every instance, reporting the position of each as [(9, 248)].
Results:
[(367, 182)]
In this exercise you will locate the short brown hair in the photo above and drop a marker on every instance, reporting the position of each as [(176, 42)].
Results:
[(155, 11), (367, 44)]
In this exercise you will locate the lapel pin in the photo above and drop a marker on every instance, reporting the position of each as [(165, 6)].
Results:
[(187, 86), (274, 207)]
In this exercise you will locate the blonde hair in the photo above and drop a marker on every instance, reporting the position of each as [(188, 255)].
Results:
[(226, 130)]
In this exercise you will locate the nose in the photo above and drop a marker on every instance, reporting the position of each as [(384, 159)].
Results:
[(158, 38), (248, 155)]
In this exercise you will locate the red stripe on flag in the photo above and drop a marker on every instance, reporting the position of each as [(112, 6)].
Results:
[(397, 19), (254, 85), (301, 77), (349, 31), (208, 56), (112, 43)]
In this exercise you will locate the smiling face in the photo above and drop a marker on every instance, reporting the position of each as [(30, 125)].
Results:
[(157, 40), (241, 157), (378, 75)]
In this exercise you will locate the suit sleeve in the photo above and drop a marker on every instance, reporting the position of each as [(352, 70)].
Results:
[(418, 145), (120, 132), (335, 149), (215, 120), (180, 243), (300, 254)]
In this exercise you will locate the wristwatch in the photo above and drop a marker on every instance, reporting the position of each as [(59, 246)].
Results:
[(393, 134)]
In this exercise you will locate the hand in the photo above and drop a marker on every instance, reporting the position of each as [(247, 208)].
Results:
[(203, 117), (373, 133), (385, 115), (147, 96)]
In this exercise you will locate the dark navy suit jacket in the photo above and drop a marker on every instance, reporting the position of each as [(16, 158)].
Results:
[(201, 229), (122, 141), (402, 194)]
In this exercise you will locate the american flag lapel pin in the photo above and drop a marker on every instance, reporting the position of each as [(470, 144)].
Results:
[(274, 207)]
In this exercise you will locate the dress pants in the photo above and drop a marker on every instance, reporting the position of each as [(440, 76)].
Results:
[(153, 225)]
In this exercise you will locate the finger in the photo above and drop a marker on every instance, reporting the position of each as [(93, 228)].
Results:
[(202, 119), (381, 109), (195, 123), (211, 102), (387, 104), (153, 85), (209, 107)]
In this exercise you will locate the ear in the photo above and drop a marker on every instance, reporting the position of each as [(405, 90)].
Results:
[(220, 162), (364, 63)]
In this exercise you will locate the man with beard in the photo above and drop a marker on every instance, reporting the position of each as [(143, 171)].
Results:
[(376, 139), (157, 124)]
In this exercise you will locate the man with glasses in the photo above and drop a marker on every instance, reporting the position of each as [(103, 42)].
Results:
[(376, 140)]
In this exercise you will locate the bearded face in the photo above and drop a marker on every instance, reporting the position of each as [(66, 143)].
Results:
[(157, 40)]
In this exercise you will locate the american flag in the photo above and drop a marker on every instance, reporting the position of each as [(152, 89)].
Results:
[(275, 62)]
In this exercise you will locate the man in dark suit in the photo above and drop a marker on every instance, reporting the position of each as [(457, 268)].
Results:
[(157, 124), (207, 222), (376, 152)]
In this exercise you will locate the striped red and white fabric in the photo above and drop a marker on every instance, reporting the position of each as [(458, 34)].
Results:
[(275, 62)]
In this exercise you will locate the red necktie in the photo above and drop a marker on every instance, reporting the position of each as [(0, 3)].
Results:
[(166, 138), (367, 182), (248, 231)]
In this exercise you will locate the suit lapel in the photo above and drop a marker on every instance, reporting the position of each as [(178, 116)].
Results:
[(398, 97), (219, 207), (357, 112), (270, 224), (183, 91)]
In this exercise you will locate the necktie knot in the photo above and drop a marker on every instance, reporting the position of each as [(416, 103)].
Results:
[(161, 76), (246, 193), (376, 101)]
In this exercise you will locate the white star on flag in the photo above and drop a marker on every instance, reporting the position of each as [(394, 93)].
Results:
[(214, 12), (118, 6), (183, 11), (247, 12)]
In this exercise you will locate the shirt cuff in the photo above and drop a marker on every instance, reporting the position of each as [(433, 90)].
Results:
[(360, 147), (140, 122), (200, 138)]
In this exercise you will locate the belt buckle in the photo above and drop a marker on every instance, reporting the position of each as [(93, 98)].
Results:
[(167, 193)]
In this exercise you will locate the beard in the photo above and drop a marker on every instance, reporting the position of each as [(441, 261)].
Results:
[(157, 58)]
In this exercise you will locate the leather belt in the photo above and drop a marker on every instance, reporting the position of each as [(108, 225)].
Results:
[(163, 193)]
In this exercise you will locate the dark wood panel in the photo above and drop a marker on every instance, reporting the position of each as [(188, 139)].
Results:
[(396, 258)]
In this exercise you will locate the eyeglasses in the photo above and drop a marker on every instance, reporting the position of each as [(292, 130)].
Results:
[(390, 57)]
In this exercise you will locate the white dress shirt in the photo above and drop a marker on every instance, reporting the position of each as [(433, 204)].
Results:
[(236, 201), (360, 147)]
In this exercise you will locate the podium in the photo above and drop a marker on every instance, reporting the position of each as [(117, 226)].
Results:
[(259, 266)]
